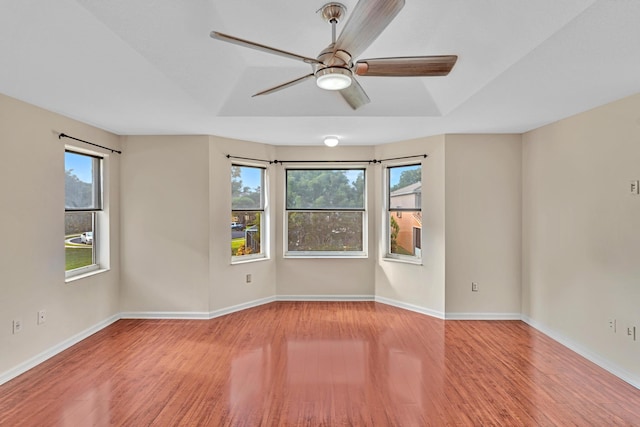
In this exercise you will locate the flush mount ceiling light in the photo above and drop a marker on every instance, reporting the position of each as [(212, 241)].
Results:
[(333, 78), (331, 141)]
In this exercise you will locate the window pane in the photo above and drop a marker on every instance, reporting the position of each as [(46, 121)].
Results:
[(246, 187), (79, 239), (405, 184), (325, 189), (405, 232), (325, 231), (246, 229), (82, 182)]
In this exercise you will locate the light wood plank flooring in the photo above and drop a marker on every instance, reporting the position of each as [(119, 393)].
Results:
[(318, 364)]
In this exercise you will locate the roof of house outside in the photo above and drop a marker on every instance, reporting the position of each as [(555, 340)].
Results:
[(416, 187)]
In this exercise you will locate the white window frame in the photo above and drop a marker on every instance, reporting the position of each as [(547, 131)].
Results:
[(365, 215), (388, 256), (100, 219), (264, 219)]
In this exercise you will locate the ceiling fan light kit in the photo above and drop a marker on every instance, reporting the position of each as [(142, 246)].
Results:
[(334, 68), (333, 78)]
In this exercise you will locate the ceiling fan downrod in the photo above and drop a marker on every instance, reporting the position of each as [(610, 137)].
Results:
[(333, 13)]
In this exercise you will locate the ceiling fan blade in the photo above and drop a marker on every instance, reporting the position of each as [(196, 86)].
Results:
[(368, 19), (257, 46), (410, 66), (284, 85), (355, 95)]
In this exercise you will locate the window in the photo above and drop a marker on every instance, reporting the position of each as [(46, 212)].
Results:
[(404, 201), (325, 212), (247, 212), (83, 202)]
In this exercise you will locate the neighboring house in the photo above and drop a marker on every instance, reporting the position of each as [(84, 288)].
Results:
[(410, 222)]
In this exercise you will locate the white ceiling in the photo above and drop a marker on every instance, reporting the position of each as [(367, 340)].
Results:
[(150, 67)]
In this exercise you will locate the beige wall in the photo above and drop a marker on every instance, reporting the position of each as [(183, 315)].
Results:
[(176, 257), (227, 283), (483, 225), (165, 224), (419, 286), (32, 260), (581, 231)]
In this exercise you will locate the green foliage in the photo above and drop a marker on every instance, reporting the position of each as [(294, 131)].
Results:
[(314, 198), (243, 197), (326, 189), (395, 229), (78, 222), (325, 231)]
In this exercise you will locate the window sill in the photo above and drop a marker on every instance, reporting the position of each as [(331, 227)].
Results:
[(403, 260), (85, 275), (249, 260), (327, 256)]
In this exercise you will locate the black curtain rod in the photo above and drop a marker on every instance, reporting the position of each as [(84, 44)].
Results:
[(374, 161), (282, 162), (64, 135), (229, 156), (424, 156)]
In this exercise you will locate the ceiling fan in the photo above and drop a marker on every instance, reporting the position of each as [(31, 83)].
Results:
[(335, 68)]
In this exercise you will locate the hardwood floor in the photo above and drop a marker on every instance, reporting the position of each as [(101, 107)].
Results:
[(318, 364)]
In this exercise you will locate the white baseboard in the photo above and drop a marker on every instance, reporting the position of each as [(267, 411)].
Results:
[(325, 298), (483, 316), (47, 354), (604, 363), (183, 315), (239, 307), (196, 315), (410, 307)]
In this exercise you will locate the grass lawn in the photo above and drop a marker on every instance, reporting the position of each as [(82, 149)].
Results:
[(78, 257), (235, 244)]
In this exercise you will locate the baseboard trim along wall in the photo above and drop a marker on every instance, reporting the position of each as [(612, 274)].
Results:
[(328, 298), (240, 307), (195, 315), (177, 315), (59, 348), (605, 364), (410, 307), (483, 316)]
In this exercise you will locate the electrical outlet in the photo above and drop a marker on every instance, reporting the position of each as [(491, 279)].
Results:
[(248, 279), (634, 187), (631, 332), (17, 326), (612, 325), (42, 317), (474, 287)]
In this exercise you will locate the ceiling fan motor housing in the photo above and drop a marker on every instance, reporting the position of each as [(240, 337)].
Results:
[(336, 70)]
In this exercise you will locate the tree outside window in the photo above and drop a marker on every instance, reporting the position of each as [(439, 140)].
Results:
[(325, 212)]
